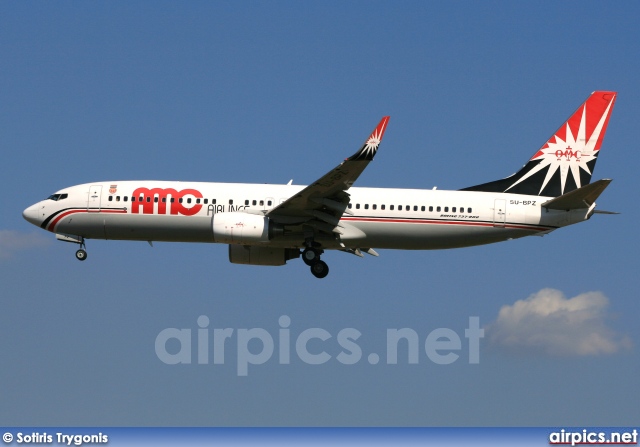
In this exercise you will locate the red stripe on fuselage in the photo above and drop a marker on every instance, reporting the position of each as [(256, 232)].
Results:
[(55, 221), (449, 222)]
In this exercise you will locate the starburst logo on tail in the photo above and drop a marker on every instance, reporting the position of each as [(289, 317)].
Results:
[(569, 150)]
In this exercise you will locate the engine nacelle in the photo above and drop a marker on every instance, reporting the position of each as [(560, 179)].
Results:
[(256, 255), (243, 228)]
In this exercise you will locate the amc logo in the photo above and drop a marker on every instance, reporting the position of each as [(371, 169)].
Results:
[(167, 199), (568, 154)]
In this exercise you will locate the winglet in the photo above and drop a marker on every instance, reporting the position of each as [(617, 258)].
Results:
[(370, 147)]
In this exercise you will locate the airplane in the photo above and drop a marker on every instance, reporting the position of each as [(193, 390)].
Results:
[(274, 223)]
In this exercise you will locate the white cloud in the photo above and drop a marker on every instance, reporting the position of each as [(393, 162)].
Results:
[(12, 242), (549, 323)]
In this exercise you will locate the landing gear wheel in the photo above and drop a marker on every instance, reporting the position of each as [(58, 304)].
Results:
[(319, 269), (81, 255), (309, 256)]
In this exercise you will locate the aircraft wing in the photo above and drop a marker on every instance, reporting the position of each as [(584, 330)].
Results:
[(323, 202)]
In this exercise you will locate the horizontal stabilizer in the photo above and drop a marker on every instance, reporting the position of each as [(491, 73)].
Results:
[(580, 198)]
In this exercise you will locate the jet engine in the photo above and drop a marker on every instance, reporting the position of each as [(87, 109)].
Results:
[(244, 228), (256, 255)]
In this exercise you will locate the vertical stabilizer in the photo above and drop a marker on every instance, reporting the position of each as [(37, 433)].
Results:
[(566, 161)]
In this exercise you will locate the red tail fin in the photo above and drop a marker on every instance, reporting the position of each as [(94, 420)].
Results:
[(566, 161)]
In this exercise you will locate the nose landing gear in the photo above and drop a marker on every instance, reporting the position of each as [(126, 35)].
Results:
[(81, 254)]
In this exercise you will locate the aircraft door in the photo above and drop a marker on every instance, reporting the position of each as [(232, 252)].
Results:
[(499, 213), (94, 199)]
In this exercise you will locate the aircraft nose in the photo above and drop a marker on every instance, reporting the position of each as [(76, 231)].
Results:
[(31, 215)]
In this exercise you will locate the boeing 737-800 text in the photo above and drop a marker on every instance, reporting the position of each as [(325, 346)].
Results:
[(271, 224)]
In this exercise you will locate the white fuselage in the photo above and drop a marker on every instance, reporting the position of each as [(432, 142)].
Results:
[(410, 219), (272, 224)]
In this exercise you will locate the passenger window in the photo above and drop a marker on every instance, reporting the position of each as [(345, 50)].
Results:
[(213, 201), (391, 207), (374, 206), (422, 208), (172, 199), (357, 206), (366, 206), (407, 208), (189, 200), (230, 201), (350, 206), (431, 209), (438, 209), (110, 198), (446, 209), (133, 199), (206, 201), (415, 208), (453, 210), (246, 202), (262, 203), (468, 210), (381, 207), (180, 200), (126, 199), (253, 203), (197, 200), (164, 200), (269, 203), (155, 199)]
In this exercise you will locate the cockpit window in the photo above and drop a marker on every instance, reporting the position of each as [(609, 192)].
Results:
[(56, 197)]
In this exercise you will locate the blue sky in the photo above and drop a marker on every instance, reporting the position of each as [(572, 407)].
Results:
[(264, 92)]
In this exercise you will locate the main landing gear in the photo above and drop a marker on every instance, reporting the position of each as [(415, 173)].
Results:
[(311, 257)]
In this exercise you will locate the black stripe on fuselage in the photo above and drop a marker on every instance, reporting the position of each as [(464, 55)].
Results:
[(44, 224)]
